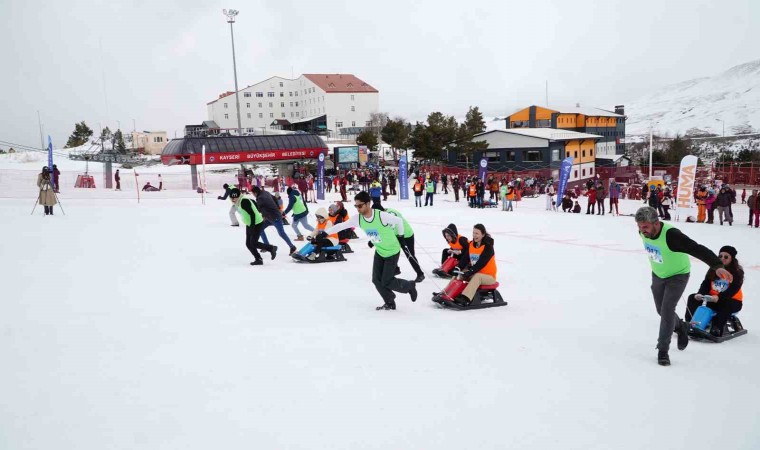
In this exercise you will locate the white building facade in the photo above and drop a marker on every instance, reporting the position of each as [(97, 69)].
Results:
[(312, 102)]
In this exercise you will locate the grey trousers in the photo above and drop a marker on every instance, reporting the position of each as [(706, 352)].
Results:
[(233, 217), (724, 213), (667, 292)]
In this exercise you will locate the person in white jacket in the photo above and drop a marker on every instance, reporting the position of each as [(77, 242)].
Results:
[(549, 191)]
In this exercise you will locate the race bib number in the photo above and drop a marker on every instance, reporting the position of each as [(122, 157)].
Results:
[(654, 253), (373, 236), (474, 259), (720, 285)]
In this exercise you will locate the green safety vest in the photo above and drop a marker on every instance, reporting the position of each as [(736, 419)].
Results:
[(429, 186), (382, 236), (408, 232), (257, 217), (664, 261), (503, 191), (299, 206)]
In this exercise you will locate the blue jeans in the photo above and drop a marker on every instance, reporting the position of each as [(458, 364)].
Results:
[(302, 221), (429, 196), (509, 205), (280, 230), (417, 200), (504, 203)]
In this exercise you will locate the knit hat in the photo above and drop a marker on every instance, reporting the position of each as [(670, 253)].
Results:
[(234, 193), (728, 249), (321, 212)]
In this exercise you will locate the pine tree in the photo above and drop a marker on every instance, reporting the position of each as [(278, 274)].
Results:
[(80, 136), (396, 134), (473, 125), (368, 138), (118, 142)]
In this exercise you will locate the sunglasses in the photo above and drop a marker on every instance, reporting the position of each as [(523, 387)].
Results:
[(359, 205), (724, 256)]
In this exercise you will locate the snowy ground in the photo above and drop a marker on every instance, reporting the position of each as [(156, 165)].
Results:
[(128, 326)]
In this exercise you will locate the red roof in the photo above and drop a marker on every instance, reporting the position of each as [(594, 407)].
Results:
[(339, 82)]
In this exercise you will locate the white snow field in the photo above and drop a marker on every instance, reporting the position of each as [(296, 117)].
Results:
[(127, 326)]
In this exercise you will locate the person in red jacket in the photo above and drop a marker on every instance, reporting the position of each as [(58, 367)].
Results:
[(591, 200)]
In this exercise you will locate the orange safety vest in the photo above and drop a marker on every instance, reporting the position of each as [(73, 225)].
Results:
[(738, 296), (455, 245), (490, 268), (417, 187), (473, 190), (329, 221)]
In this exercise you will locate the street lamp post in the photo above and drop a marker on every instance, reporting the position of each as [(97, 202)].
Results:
[(724, 126), (231, 13)]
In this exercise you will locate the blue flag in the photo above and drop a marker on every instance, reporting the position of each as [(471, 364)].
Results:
[(483, 172), (403, 179), (321, 176), (50, 154), (564, 175)]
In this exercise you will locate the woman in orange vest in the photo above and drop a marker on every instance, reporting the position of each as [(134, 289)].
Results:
[(324, 221), (721, 299), (472, 194), (418, 188), (456, 243), (700, 196), (478, 262)]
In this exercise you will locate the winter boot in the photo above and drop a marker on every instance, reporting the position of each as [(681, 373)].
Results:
[(662, 358), (419, 278), (683, 335), (715, 331), (461, 300), (258, 262), (300, 238), (385, 307), (292, 250), (413, 293), (273, 251)]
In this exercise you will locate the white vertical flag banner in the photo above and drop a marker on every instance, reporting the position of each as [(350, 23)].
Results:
[(686, 177)]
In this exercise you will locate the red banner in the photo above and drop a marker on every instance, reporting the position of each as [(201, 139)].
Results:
[(252, 156)]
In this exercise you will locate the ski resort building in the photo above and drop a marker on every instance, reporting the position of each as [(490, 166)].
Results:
[(534, 149), (315, 103), (609, 125)]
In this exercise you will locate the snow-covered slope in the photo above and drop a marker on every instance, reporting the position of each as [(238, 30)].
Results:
[(732, 96)]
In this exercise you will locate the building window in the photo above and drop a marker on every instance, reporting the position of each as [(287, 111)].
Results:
[(338, 124), (555, 155), (353, 108), (292, 114), (584, 172), (352, 96), (583, 154), (591, 153), (282, 104), (249, 130), (247, 105), (259, 94), (519, 124), (353, 123), (510, 156), (226, 116), (296, 93), (259, 104), (532, 156), (246, 94), (296, 103), (291, 104), (261, 115), (270, 94), (282, 115), (290, 94), (158, 139), (271, 115), (249, 115), (492, 156), (282, 94), (280, 83), (270, 104), (575, 155), (225, 106), (543, 123), (576, 174), (591, 171)]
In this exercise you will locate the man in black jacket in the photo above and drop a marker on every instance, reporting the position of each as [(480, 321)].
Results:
[(272, 215), (723, 203), (233, 208)]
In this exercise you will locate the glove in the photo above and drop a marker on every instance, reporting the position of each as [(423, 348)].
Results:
[(468, 274), (219, 198), (370, 244), (699, 297)]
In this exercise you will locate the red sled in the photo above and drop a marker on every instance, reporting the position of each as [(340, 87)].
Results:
[(445, 270), (487, 296)]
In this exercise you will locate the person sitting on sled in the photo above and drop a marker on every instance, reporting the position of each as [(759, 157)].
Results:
[(456, 243), (323, 221), (724, 300), (478, 262)]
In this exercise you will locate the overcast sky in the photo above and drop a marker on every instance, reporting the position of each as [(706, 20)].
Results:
[(161, 62)]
